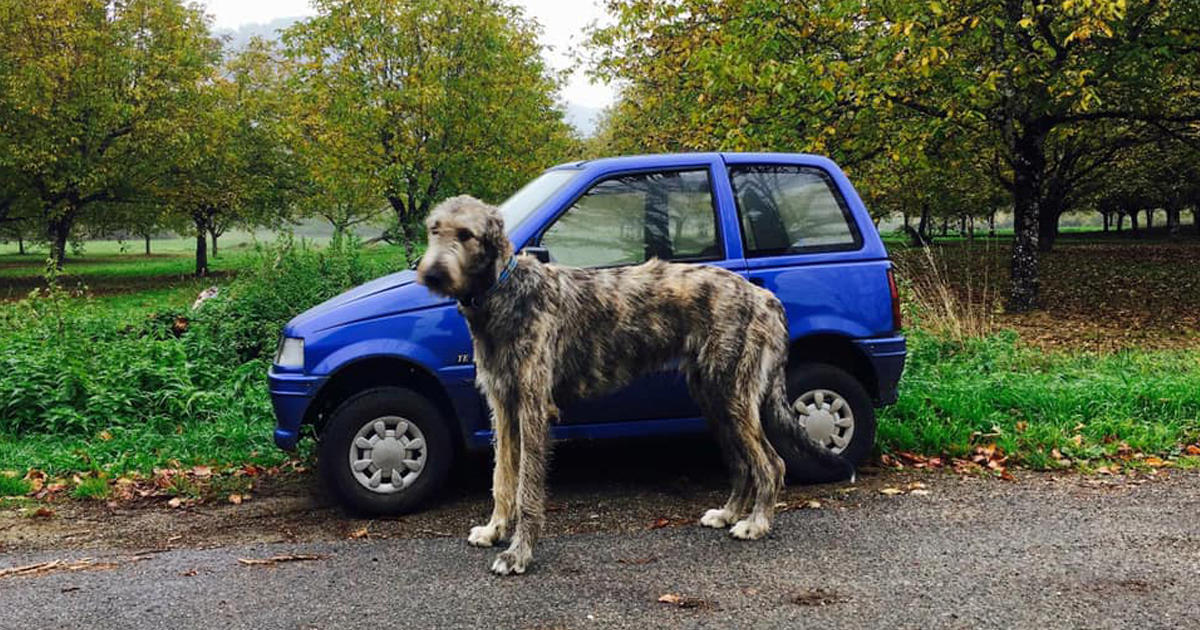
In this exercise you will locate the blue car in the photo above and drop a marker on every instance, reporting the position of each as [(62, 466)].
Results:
[(384, 372)]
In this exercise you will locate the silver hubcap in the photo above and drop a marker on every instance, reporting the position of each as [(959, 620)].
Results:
[(827, 417), (387, 454)]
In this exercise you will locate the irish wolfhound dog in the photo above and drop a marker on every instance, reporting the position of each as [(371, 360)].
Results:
[(545, 335)]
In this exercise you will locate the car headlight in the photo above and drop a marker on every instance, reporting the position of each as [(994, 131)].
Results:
[(290, 353)]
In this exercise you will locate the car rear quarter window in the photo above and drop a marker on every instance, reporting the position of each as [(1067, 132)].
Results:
[(629, 219), (791, 210)]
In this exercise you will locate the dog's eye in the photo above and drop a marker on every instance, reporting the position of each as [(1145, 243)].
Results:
[(464, 235)]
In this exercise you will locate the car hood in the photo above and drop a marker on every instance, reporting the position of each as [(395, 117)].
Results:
[(381, 297)]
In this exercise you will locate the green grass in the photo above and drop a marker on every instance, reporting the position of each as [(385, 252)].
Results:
[(955, 397), (13, 485), (95, 488)]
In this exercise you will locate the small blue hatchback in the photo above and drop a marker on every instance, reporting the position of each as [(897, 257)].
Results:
[(389, 365)]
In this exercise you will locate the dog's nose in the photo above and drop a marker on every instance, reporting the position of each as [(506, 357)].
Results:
[(434, 278)]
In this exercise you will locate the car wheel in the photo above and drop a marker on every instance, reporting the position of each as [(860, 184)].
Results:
[(835, 409), (385, 451)]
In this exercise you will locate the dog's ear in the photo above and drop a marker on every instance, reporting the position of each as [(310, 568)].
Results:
[(493, 237)]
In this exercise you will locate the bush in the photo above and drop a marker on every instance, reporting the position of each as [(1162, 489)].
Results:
[(71, 371)]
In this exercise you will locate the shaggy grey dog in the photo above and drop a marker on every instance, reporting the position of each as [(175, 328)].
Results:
[(545, 335)]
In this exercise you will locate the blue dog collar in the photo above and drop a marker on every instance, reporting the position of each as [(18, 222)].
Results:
[(504, 274)]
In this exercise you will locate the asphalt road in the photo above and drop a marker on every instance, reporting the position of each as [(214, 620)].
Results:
[(1042, 552)]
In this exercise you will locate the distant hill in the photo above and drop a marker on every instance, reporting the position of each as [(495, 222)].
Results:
[(269, 31)]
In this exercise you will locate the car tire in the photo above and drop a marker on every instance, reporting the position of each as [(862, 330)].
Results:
[(385, 451), (846, 428)]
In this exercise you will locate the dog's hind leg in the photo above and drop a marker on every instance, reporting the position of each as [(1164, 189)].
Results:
[(504, 476), (536, 413), (739, 471), (766, 470)]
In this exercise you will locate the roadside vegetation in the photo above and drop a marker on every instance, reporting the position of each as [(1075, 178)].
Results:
[(155, 393), (90, 390)]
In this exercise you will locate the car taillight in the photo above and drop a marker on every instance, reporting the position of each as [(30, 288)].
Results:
[(896, 319)]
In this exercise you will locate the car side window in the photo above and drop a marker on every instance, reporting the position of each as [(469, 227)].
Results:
[(791, 210), (630, 219)]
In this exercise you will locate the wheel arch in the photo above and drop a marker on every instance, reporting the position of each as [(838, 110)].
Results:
[(839, 351), (381, 371)]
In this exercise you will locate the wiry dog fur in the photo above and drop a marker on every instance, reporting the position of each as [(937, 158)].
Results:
[(547, 335)]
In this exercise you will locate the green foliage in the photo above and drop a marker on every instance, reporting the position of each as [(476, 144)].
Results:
[(92, 487), (1031, 403), (13, 486), (81, 389), (419, 99)]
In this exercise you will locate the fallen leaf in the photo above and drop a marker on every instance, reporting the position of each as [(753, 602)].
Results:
[(361, 532), (660, 522), (917, 485), (189, 573), (235, 499), (919, 492), (682, 602), (1192, 449), (1021, 426), (891, 491), (43, 512), (813, 504), (816, 597), (202, 472), (1155, 462), (175, 502), (105, 436)]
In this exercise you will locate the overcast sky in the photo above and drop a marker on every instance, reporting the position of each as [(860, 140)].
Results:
[(562, 23)]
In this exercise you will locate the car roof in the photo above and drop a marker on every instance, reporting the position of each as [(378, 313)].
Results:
[(652, 160)]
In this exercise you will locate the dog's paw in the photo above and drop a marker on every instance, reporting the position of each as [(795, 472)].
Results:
[(509, 563), (483, 535), (717, 518), (750, 529)]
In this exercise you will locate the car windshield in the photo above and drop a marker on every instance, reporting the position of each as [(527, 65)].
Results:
[(518, 207)]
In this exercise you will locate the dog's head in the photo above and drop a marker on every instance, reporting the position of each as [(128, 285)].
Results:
[(467, 248)]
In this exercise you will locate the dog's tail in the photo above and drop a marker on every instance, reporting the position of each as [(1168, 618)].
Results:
[(806, 460)]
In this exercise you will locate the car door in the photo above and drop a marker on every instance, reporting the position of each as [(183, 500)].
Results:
[(627, 218), (801, 241)]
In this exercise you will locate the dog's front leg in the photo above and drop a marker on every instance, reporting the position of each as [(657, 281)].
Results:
[(534, 418), (504, 475)]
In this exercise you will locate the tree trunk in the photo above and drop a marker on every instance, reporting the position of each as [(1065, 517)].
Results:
[(214, 244), (1173, 223), (201, 248), (1029, 165), (945, 227), (405, 229), (1196, 220), (1120, 221), (923, 224), (906, 226), (1133, 224), (1104, 217), (1149, 219), (147, 237), (60, 232), (21, 244), (992, 224)]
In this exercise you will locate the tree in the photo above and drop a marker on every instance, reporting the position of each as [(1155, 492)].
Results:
[(230, 166), (882, 79), (88, 90), (431, 96)]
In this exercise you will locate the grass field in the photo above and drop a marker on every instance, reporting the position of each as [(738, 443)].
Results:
[(1106, 374)]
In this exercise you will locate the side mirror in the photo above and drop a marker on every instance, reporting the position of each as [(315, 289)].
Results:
[(540, 253)]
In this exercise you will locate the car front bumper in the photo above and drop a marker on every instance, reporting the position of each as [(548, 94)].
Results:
[(291, 395), (887, 357)]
